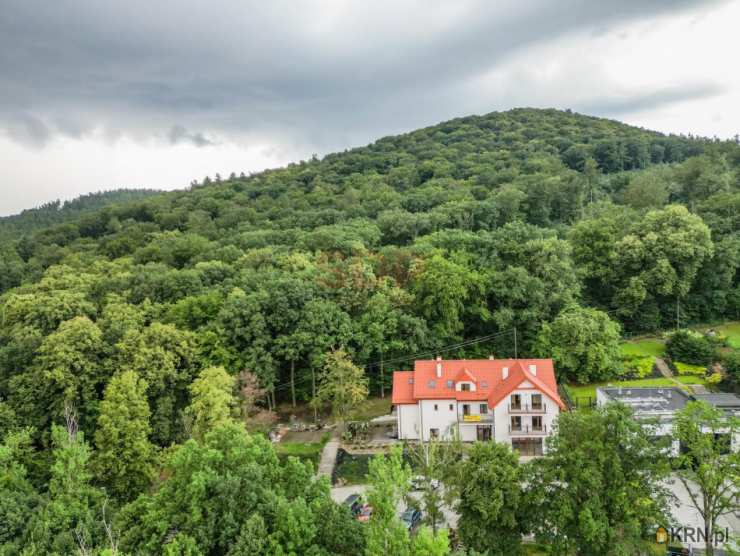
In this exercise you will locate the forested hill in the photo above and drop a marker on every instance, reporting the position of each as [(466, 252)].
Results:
[(466, 229), (57, 212)]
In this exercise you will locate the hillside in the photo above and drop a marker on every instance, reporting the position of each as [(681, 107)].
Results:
[(57, 212), (134, 318), (462, 230)]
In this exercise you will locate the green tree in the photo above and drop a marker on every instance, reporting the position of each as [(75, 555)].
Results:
[(124, 458), (492, 505), (583, 342), (599, 489), (389, 480), (19, 501), (428, 543), (708, 466), (435, 462), (212, 401), (71, 516), (342, 384)]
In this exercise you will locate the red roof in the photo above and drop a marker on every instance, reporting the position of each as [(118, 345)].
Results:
[(423, 384)]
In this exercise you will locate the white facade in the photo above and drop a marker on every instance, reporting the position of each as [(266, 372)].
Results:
[(507, 421)]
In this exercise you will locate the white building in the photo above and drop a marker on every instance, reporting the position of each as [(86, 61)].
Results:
[(514, 401)]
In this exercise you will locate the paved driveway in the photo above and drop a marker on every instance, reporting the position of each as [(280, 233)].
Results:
[(339, 494)]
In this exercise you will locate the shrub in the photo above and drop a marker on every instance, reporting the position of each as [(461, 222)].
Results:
[(714, 379), (690, 347), (638, 366), (686, 369)]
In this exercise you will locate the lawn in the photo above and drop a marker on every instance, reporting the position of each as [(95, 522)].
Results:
[(370, 408), (649, 347), (305, 451), (590, 389), (732, 331)]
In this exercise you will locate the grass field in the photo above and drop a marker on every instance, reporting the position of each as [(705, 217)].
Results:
[(305, 451), (732, 331), (646, 347), (590, 389)]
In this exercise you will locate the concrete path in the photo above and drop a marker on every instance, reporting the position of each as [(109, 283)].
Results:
[(663, 368), (329, 457)]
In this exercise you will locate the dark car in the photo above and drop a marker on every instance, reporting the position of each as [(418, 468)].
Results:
[(411, 518), (365, 513), (354, 503)]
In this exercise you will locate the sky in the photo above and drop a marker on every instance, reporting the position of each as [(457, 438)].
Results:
[(97, 94)]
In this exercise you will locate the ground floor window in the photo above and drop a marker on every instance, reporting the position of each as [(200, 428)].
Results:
[(433, 433), (483, 433), (527, 446)]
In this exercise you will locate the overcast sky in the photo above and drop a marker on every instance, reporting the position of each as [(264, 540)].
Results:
[(100, 94)]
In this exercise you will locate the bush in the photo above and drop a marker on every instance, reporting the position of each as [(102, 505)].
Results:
[(714, 379), (686, 369), (638, 366), (690, 347)]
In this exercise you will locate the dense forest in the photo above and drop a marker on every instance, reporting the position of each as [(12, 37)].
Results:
[(444, 240)]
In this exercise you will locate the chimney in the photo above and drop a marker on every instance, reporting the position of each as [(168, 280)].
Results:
[(505, 372), (491, 357), (439, 366), (533, 369)]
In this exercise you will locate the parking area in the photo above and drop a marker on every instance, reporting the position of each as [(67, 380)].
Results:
[(340, 494)]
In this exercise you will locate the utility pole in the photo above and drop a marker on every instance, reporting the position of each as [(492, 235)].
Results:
[(516, 356)]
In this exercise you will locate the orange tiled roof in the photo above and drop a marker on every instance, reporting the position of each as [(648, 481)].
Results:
[(487, 374)]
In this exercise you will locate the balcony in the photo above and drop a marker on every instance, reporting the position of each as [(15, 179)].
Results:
[(527, 430), (527, 408)]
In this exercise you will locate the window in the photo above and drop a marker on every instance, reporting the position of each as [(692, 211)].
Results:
[(527, 446), (433, 433), (516, 401), (432, 384), (484, 409), (537, 402), (411, 380), (465, 387), (450, 384), (452, 407), (435, 407), (483, 432), (466, 409), (516, 423), (537, 423), (483, 384)]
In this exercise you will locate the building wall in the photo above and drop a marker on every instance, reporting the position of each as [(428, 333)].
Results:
[(442, 418), (408, 421)]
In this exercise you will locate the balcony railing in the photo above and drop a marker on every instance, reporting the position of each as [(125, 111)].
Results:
[(528, 430), (527, 408)]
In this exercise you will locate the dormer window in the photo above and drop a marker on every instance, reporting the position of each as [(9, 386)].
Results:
[(465, 387)]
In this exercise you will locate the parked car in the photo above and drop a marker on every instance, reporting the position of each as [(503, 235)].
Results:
[(417, 483), (354, 503), (411, 518), (365, 513)]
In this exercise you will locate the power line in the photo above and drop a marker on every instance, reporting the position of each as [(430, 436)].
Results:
[(417, 355)]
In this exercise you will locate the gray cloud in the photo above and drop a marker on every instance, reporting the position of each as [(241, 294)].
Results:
[(316, 73), (179, 134), (637, 102)]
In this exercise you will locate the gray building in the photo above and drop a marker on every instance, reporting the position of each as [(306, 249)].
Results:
[(658, 406)]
